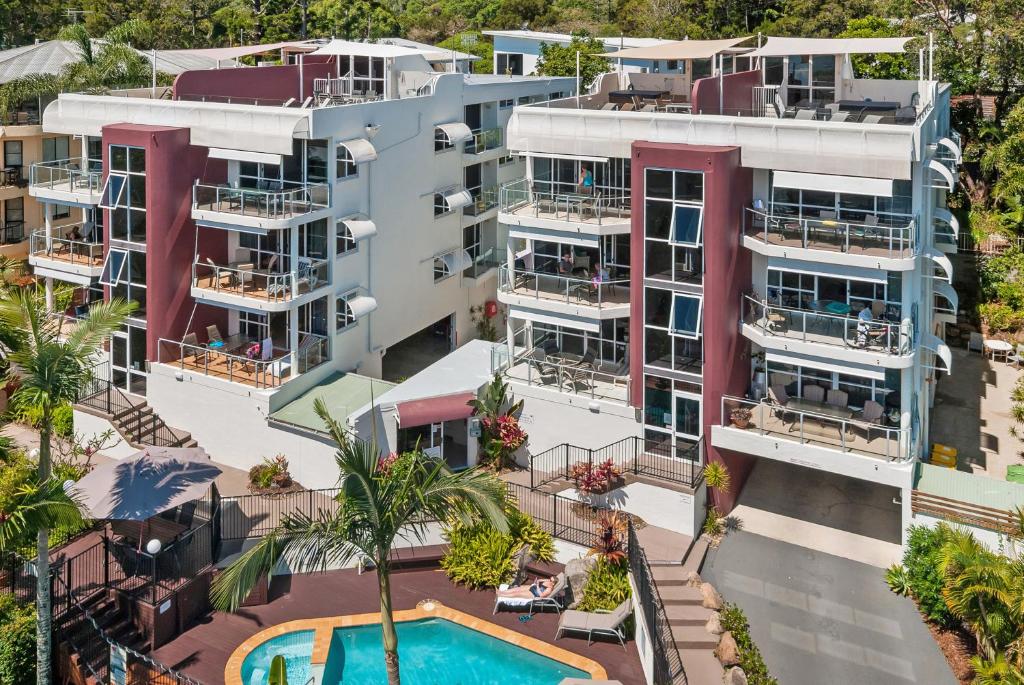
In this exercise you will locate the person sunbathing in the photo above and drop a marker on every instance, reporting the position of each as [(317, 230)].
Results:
[(537, 590)]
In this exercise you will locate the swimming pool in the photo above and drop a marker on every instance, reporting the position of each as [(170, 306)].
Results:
[(297, 650)]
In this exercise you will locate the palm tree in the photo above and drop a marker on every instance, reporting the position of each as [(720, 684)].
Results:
[(110, 62), (50, 365), (375, 504), (32, 506)]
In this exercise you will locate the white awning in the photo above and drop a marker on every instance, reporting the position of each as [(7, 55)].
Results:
[(246, 50), (245, 156), (456, 199), (943, 214), (845, 368), (944, 172), (946, 291), (553, 320), (680, 49), (456, 132), (360, 228), (555, 155), (336, 46), (361, 305), (855, 185), (941, 260), (941, 349), (952, 147), (783, 47), (581, 239), (361, 150), (854, 273), (456, 261)]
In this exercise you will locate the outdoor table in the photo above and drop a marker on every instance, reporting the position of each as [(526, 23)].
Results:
[(140, 532), (823, 408), (628, 95), (867, 106), (994, 347)]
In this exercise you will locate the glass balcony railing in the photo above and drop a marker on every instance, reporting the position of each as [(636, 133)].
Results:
[(262, 284), (261, 203), (820, 325), (564, 202), (483, 262), (820, 424), (484, 199), (484, 140), (65, 175), (551, 287), (872, 238), (77, 252)]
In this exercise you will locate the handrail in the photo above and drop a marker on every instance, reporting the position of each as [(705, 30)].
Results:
[(269, 373), (831, 234), (633, 454), (569, 377), (271, 287), (807, 426), (74, 251), (485, 198), (268, 204), (547, 196), (65, 171), (882, 337), (484, 140), (568, 289)]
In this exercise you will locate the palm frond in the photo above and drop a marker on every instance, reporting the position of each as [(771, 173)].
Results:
[(233, 585), (36, 505), (77, 34)]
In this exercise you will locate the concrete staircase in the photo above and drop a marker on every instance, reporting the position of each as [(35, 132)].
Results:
[(132, 417), (687, 616)]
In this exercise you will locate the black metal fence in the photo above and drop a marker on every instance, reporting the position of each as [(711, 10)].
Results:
[(253, 516), (668, 667), (148, 428), (681, 464)]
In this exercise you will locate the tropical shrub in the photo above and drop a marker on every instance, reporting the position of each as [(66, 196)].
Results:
[(607, 586), (32, 415), (479, 556), (502, 435), (922, 578), (610, 536), (751, 661), (16, 473), (17, 642), (271, 473), (1000, 317), (589, 477)]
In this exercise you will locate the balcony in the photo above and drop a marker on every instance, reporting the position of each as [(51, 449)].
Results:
[(269, 208), (12, 232), (570, 295), (11, 178), (484, 200), (64, 257), (819, 331), (242, 285), (560, 206), (826, 437), (63, 181), (244, 360), (485, 262), (485, 140), (563, 372), (865, 244)]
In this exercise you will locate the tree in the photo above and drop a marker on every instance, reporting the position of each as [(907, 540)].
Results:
[(355, 20), (50, 365), (472, 43), (560, 60), (115, 64), (28, 505), (896, 66), (378, 499)]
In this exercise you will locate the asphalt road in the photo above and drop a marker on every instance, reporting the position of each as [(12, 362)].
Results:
[(820, 619)]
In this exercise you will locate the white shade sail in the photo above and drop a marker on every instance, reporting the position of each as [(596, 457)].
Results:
[(941, 260), (553, 320), (941, 349), (245, 156), (361, 305), (943, 214), (783, 47), (361, 150), (947, 292), (846, 368), (680, 49), (337, 46), (855, 185), (942, 170), (360, 228), (455, 198), (456, 132)]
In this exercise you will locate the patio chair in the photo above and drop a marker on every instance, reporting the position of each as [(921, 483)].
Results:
[(872, 119), (596, 623), (213, 334), (877, 309), (548, 372), (554, 600), (218, 279), (814, 393), (839, 116), (609, 107), (649, 108), (837, 398), (190, 346), (806, 114), (626, 107), (976, 343), (1017, 356), (777, 394), (521, 558), (579, 374), (872, 416)]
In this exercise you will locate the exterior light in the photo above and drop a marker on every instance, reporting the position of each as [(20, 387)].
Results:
[(154, 546)]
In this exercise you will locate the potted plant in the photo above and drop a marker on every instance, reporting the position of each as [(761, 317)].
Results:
[(740, 416), (595, 479)]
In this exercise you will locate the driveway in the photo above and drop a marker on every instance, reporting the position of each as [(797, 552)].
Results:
[(819, 618)]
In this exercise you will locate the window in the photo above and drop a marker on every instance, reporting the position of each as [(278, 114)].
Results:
[(440, 205), (316, 161), (124, 193), (810, 79), (313, 239), (61, 211), (344, 242), (346, 165), (259, 175), (113, 266), (506, 104), (345, 317), (686, 315), (14, 211), (441, 142), (688, 416), (508, 63), (94, 152), (701, 68), (441, 271), (672, 65), (13, 153), (506, 160), (56, 148), (687, 221), (253, 325)]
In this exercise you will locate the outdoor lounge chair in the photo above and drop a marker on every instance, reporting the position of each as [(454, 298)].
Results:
[(839, 116), (837, 398), (548, 372), (213, 334), (554, 600), (596, 623), (872, 416)]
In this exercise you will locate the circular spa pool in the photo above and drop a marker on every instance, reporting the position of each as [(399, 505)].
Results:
[(432, 651)]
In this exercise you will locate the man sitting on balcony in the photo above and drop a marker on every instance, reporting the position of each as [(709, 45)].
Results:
[(565, 264), (864, 326)]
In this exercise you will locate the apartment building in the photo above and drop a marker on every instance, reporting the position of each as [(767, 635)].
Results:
[(282, 229), (747, 266)]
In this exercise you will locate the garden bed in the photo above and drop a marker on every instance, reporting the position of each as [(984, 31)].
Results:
[(958, 646)]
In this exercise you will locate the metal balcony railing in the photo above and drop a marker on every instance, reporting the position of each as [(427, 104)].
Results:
[(261, 203), (485, 140), (66, 175), (262, 284), (814, 233), (78, 252), (564, 201), (589, 292)]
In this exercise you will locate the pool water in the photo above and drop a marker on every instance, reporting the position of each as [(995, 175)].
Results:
[(297, 650)]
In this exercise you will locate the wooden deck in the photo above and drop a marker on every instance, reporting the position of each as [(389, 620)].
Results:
[(204, 649), (77, 257)]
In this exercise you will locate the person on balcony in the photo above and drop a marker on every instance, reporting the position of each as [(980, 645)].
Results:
[(586, 180), (864, 325), (565, 264)]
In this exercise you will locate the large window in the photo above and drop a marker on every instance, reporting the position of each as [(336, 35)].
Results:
[(562, 177), (609, 346), (316, 161), (859, 389), (259, 175), (508, 63), (672, 331), (811, 79), (674, 225), (125, 272), (813, 291), (56, 148), (313, 239), (13, 156), (124, 194), (672, 412), (816, 204)]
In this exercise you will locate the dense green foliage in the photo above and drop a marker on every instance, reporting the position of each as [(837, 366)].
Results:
[(751, 660), (922, 579), (19, 487), (480, 556), (32, 415), (17, 642), (607, 586), (560, 60)]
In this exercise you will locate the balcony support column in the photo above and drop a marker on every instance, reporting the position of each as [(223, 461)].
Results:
[(49, 294), (293, 340)]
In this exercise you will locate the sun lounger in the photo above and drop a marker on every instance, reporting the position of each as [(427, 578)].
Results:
[(596, 623), (553, 600)]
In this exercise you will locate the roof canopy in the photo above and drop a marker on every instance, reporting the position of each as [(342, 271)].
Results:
[(782, 47), (680, 49), (346, 47), (241, 50)]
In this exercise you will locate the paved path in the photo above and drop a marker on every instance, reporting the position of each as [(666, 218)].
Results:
[(819, 619)]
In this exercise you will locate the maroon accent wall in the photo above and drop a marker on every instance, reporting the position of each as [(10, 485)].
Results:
[(172, 165), (727, 190), (273, 83), (738, 89)]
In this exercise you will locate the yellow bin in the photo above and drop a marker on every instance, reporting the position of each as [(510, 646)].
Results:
[(943, 449), (947, 460)]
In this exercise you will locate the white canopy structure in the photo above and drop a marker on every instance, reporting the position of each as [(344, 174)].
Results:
[(360, 228), (783, 47), (361, 149), (336, 46), (832, 183), (360, 305), (679, 50), (456, 132)]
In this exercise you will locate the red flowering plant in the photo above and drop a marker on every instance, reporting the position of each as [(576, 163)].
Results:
[(501, 433), (594, 478)]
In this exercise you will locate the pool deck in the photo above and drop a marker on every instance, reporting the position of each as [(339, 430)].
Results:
[(204, 650)]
